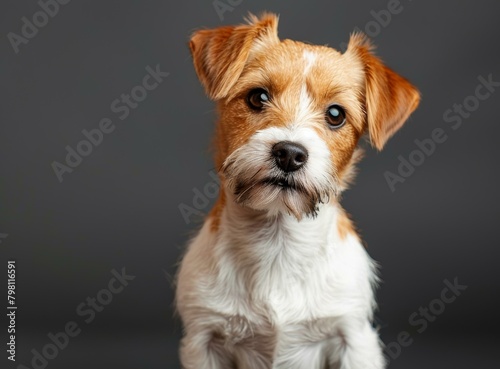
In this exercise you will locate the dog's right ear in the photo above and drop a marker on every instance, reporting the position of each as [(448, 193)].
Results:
[(220, 54)]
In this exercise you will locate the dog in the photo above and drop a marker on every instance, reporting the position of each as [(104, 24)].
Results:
[(277, 277)]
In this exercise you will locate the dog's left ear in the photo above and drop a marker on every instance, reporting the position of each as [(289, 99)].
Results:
[(220, 54), (389, 98)]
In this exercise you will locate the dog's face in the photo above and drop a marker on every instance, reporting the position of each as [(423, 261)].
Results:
[(291, 114)]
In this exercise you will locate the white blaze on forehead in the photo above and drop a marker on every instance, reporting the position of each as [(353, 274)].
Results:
[(304, 108), (309, 58)]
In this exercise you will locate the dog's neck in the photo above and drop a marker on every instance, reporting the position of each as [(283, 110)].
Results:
[(260, 240), (270, 255), (277, 227)]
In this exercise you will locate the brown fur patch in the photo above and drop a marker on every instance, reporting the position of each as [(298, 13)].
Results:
[(216, 212), (345, 225)]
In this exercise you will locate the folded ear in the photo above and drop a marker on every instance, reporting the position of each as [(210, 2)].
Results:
[(389, 98), (220, 54)]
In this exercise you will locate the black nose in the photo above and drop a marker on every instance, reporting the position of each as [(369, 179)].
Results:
[(289, 156)]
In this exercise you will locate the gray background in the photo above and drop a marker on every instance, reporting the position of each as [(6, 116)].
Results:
[(119, 208)]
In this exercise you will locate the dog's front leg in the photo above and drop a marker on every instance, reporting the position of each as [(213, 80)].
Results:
[(229, 342), (205, 351), (357, 348)]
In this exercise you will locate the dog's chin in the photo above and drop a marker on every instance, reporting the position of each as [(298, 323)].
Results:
[(280, 195)]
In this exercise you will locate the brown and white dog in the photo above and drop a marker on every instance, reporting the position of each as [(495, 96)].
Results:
[(277, 277)]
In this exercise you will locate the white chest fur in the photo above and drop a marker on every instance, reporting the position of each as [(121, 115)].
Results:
[(274, 292), (276, 271)]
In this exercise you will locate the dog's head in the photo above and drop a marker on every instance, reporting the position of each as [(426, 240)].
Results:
[(291, 114)]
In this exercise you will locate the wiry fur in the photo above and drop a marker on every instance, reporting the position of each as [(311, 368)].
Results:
[(252, 175), (277, 278)]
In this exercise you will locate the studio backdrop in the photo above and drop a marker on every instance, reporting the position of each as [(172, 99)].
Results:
[(106, 172)]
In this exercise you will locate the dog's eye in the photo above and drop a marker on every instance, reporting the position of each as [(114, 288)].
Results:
[(335, 116), (257, 98)]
